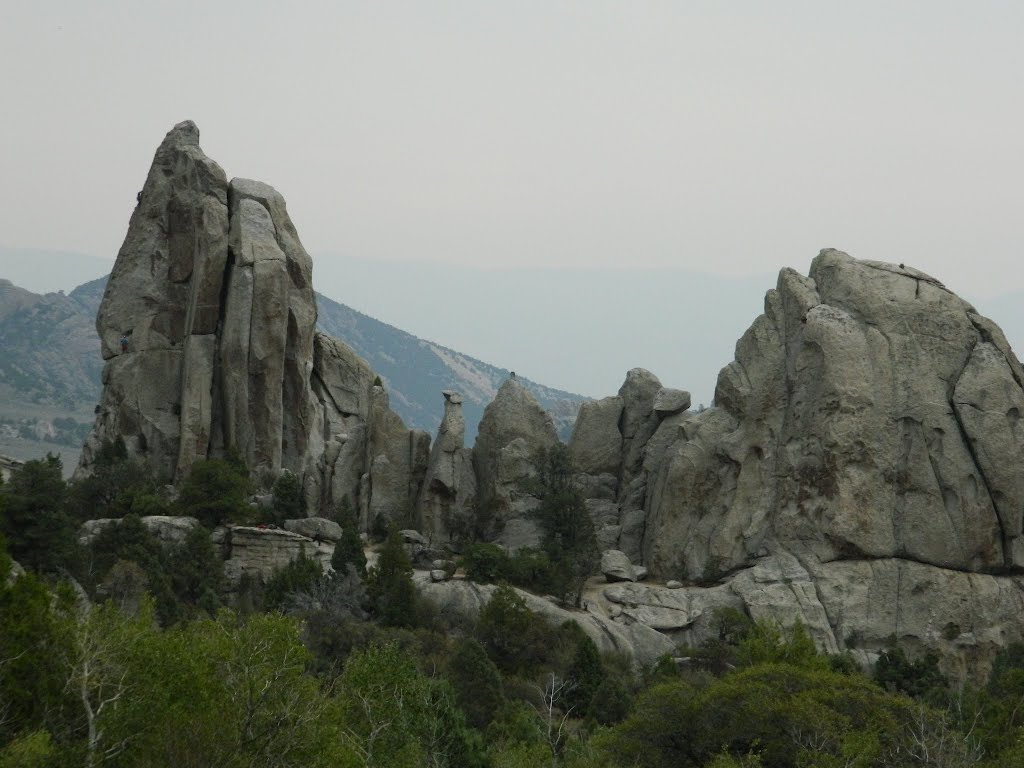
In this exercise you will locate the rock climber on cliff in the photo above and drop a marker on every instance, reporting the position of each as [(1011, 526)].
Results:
[(124, 343)]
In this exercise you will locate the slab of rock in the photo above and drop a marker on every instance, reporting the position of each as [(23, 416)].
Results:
[(260, 552), (616, 566), (317, 528), (853, 424), (674, 610), (519, 533), (596, 444), (212, 294), (459, 603), (513, 429), (163, 291), (668, 401), (168, 530)]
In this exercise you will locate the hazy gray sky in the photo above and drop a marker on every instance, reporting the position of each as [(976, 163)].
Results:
[(730, 137)]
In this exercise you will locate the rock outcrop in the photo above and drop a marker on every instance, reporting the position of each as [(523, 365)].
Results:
[(168, 530), (256, 553), (861, 472), (447, 500), (207, 326), (459, 602), (514, 428)]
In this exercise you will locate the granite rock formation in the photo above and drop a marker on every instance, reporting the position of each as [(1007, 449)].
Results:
[(514, 428), (861, 472), (208, 330)]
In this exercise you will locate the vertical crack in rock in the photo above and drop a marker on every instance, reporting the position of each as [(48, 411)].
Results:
[(973, 453), (822, 601)]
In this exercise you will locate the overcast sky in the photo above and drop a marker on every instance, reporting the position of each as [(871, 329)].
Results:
[(725, 137)]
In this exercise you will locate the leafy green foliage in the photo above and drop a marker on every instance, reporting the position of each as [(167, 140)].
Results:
[(129, 540), (788, 714), (920, 678), (216, 491), (299, 575), (586, 673), (476, 682), (395, 716), (32, 639), (116, 487), (506, 629), (527, 568), (289, 500), (197, 572), (32, 750), (611, 703), (767, 643), (183, 580)]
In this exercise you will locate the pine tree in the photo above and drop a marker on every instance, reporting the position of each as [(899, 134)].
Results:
[(349, 549), (390, 586), (476, 682)]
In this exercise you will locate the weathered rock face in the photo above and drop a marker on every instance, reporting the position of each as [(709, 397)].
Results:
[(861, 473), (446, 503), (266, 345), (459, 603), (163, 296), (514, 428), (213, 291), (860, 419), (168, 530), (257, 553)]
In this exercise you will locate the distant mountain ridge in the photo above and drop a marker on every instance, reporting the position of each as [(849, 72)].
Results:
[(51, 356), (50, 350), (416, 371)]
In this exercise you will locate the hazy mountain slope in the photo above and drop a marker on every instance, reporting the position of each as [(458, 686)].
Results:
[(50, 349), (415, 371), (51, 360)]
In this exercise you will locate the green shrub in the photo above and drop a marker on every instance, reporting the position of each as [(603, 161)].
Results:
[(920, 678), (299, 575), (486, 563), (476, 682), (216, 491), (289, 498), (349, 549)]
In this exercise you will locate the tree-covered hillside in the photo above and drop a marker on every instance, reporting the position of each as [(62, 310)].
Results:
[(124, 649)]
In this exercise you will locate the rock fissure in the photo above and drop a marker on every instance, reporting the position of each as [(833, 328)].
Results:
[(968, 442)]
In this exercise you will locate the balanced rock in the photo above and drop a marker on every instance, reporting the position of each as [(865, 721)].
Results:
[(668, 401), (317, 528), (616, 566)]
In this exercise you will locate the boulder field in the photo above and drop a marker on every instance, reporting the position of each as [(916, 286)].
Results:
[(860, 471)]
